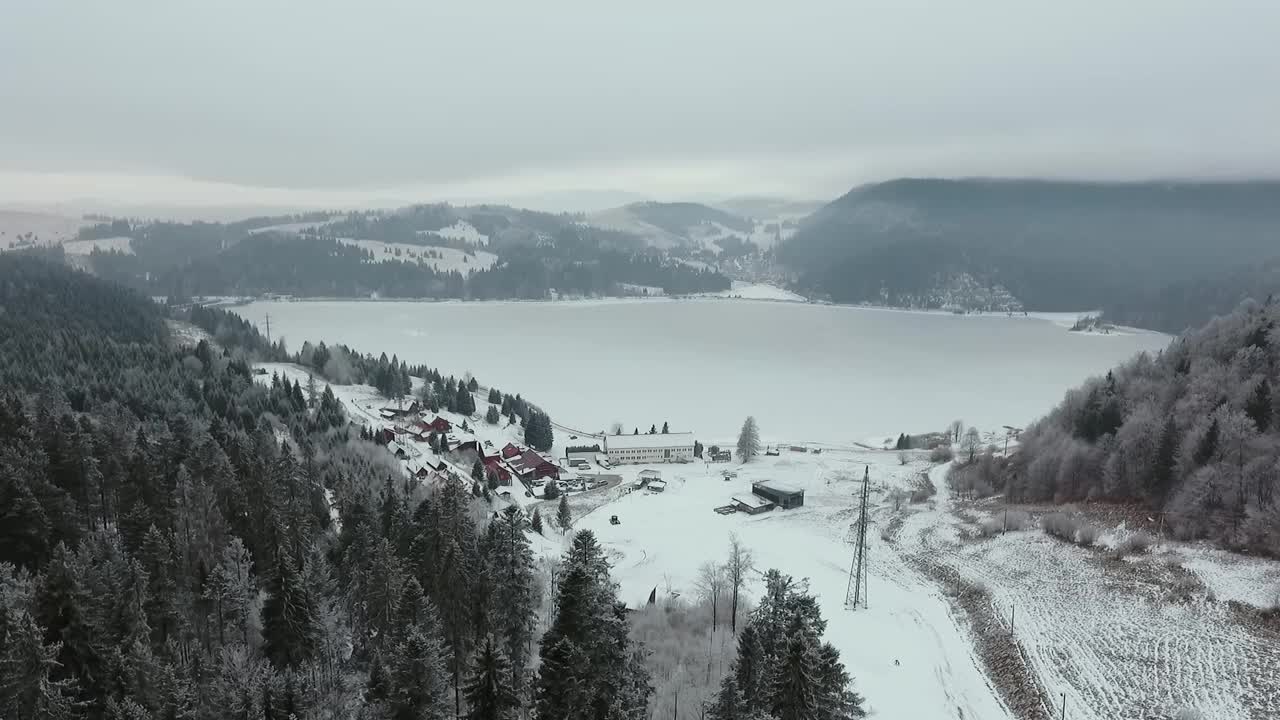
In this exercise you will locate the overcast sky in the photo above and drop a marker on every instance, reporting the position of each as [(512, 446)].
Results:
[(342, 103)]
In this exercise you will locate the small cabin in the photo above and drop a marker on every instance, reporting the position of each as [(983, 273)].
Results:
[(781, 494)]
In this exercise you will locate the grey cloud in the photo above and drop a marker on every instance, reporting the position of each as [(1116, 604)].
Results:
[(327, 95)]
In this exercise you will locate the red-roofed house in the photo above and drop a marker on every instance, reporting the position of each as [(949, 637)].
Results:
[(438, 424), (494, 466), (509, 451), (532, 466)]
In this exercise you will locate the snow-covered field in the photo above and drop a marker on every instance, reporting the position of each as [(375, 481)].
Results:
[(44, 228), (86, 247), (759, 291), (464, 231), (449, 259), (1114, 636), (287, 228)]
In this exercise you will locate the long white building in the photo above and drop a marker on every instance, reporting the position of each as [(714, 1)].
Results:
[(658, 448)]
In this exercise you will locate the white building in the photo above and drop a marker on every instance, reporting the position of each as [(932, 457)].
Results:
[(658, 448)]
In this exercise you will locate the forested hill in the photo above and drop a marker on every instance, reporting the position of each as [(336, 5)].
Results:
[(1193, 431), (1064, 246), (397, 254)]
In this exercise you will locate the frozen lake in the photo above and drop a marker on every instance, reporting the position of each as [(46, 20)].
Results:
[(807, 372)]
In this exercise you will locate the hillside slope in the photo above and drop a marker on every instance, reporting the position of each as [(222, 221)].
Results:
[(1193, 432), (1061, 246)]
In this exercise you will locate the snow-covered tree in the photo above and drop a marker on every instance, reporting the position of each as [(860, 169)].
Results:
[(748, 440)]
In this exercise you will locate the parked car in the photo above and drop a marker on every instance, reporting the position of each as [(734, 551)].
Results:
[(613, 520)]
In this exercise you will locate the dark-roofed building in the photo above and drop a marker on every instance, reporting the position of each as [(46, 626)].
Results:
[(781, 494)]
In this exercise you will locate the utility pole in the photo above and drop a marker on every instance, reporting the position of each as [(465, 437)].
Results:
[(857, 591), (268, 328)]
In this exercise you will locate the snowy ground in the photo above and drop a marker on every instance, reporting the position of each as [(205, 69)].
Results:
[(288, 228), (450, 259), (663, 538), (464, 231), (759, 291), (86, 247), (45, 228), (1112, 636)]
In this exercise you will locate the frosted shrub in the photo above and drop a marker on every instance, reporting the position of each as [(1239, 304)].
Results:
[(1017, 520), (1087, 535), (941, 454), (990, 527), (1060, 525), (1136, 543)]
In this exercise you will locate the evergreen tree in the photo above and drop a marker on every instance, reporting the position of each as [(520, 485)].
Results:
[(417, 682), (728, 703), (563, 518), (1162, 475), (664, 428), (536, 522), (749, 440), (477, 471), (1208, 446), (491, 416), (653, 429), (514, 594), (697, 449), (590, 668), (1258, 407), (796, 686), (28, 668), (290, 623), (472, 385), (495, 397), (488, 691)]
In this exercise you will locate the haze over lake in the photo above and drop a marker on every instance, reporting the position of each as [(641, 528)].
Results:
[(807, 372)]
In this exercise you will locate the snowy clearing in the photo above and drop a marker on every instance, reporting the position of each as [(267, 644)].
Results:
[(464, 231), (759, 291), (19, 228), (442, 259), (288, 228), (111, 244)]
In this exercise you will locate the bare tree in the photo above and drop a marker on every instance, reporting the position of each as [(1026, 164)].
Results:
[(954, 429), (739, 564), (749, 440), (710, 584), (971, 443), (904, 457)]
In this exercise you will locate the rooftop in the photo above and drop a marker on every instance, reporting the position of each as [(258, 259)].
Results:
[(752, 501), (776, 486), (649, 442)]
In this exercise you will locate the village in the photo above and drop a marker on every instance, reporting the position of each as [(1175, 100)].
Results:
[(590, 469)]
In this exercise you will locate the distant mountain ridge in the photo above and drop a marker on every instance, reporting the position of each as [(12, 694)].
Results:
[(1052, 245)]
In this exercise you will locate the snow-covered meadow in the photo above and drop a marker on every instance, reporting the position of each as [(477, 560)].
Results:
[(442, 259)]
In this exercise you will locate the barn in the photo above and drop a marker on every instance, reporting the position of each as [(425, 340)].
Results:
[(781, 494)]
